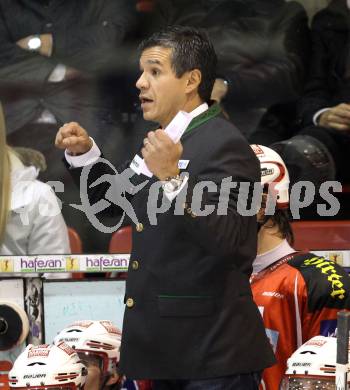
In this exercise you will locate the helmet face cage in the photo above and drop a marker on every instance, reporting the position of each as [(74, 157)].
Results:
[(48, 366), (303, 382), (312, 366), (96, 342), (99, 359), (107, 367)]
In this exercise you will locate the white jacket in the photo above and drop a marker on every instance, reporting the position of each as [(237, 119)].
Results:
[(35, 225)]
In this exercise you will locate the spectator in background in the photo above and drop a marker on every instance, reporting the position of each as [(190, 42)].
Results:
[(30, 218), (49, 49), (319, 148), (324, 110), (55, 63), (262, 49), (298, 293)]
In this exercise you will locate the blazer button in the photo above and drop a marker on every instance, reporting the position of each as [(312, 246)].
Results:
[(135, 265), (130, 303), (139, 227)]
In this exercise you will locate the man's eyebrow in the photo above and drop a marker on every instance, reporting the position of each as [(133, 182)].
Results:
[(154, 62)]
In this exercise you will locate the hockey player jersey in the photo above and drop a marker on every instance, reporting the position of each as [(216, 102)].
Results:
[(298, 297)]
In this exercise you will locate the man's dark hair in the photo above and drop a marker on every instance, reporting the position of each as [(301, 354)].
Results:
[(191, 49), (282, 219)]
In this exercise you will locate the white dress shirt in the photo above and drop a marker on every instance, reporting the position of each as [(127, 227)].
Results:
[(94, 153)]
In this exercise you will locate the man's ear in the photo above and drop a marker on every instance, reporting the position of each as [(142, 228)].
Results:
[(193, 80)]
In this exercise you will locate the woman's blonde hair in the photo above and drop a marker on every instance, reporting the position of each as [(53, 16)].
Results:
[(5, 175)]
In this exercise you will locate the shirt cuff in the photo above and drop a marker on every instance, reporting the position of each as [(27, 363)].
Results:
[(83, 159), (317, 115), (171, 195), (58, 74)]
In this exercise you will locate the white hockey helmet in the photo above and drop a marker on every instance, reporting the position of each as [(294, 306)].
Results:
[(97, 339), (42, 366), (274, 174), (312, 366)]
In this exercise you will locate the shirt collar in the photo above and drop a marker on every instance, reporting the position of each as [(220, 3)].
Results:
[(199, 110), (266, 259)]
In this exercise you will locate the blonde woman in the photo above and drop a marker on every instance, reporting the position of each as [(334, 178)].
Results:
[(30, 218)]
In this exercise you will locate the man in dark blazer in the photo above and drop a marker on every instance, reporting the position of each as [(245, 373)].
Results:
[(190, 321)]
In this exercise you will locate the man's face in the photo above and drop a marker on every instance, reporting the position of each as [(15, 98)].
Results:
[(162, 94)]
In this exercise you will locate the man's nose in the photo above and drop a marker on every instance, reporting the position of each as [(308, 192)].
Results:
[(142, 82)]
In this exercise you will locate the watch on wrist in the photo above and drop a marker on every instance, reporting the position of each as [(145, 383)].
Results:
[(172, 184), (34, 43)]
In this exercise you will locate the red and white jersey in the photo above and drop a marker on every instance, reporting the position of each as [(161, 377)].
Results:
[(298, 297)]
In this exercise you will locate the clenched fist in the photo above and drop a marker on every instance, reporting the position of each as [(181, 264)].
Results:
[(74, 138), (161, 154)]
